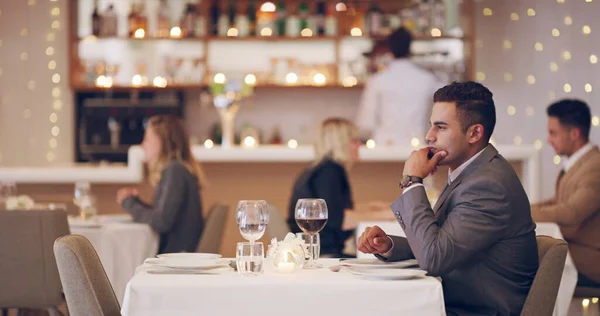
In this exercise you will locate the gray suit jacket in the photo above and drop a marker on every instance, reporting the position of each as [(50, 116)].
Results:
[(479, 238)]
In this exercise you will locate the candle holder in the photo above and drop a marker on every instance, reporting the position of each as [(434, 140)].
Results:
[(287, 255)]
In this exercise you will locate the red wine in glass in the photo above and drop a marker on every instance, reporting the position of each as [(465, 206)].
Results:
[(311, 226)]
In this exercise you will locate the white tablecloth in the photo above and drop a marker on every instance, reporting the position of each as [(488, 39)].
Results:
[(121, 246), (567, 283), (306, 292)]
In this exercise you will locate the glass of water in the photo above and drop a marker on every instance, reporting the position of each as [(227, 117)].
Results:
[(249, 258), (315, 250)]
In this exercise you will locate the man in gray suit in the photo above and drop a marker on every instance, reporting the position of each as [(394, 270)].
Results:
[(479, 238)]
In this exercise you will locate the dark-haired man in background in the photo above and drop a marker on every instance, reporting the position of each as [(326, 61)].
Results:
[(479, 237), (396, 100), (575, 206)]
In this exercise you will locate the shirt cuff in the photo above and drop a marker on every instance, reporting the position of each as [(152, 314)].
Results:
[(412, 187), (388, 254)]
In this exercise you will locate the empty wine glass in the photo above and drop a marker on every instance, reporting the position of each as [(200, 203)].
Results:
[(252, 218), (311, 217)]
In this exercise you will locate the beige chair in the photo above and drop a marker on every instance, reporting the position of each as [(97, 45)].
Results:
[(277, 227), (28, 274), (214, 229), (87, 288), (542, 296)]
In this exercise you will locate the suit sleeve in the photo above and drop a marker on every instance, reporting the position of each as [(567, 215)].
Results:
[(583, 203), (171, 194), (473, 224)]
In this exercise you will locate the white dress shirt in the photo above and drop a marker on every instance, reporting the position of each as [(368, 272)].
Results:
[(396, 103), (571, 161)]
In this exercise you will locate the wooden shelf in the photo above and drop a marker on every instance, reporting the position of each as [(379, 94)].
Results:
[(81, 88), (264, 38)]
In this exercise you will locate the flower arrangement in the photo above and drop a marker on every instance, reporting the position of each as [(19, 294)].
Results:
[(288, 254), (19, 202)]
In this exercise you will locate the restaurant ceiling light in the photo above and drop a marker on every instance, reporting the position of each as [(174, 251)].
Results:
[(292, 143), (306, 32), (139, 33), (371, 144), (291, 78), (232, 32), (268, 7), (340, 7), (219, 78), (319, 79), (435, 32), (266, 32), (415, 142), (175, 32), (136, 80), (208, 143), (355, 31), (250, 79), (159, 81)]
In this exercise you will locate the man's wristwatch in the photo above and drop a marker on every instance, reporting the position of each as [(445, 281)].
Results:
[(410, 180)]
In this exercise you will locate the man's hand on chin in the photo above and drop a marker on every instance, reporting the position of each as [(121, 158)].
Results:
[(374, 240)]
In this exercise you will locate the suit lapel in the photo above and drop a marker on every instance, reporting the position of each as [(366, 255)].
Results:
[(573, 170), (488, 154)]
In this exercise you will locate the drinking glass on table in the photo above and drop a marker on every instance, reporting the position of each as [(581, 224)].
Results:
[(252, 218), (311, 217), (314, 251), (249, 258), (84, 200)]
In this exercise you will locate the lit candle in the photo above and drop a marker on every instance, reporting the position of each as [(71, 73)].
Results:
[(286, 267)]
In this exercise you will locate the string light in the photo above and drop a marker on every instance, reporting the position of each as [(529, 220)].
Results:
[(539, 47), (52, 65), (588, 87), (553, 67), (371, 144), (555, 32), (538, 144), (53, 117), (55, 130), (415, 142), (567, 87), (517, 140), (556, 159), (507, 44), (511, 110), (531, 79), (586, 30), (292, 143), (593, 59), (530, 12), (568, 20), (566, 55), (529, 110), (514, 16), (480, 76), (487, 12), (24, 31), (31, 85), (508, 77), (24, 56), (208, 143), (595, 121), (50, 51)]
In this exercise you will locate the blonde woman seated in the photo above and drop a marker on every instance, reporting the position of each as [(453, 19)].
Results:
[(336, 150), (176, 210)]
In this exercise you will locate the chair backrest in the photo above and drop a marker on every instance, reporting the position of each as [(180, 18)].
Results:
[(214, 229), (28, 274), (544, 290), (87, 289), (277, 227)]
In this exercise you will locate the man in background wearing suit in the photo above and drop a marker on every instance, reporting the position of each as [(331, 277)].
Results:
[(479, 237), (575, 206)]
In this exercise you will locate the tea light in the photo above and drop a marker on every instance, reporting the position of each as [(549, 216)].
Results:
[(286, 267)]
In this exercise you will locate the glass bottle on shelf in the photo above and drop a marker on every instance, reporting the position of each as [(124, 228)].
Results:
[(408, 19), (281, 18), (439, 15), (201, 19), (242, 22), (359, 18), (143, 18), (347, 18), (251, 9), (223, 21), (292, 22), (331, 23), (133, 22), (424, 20), (374, 20), (164, 26), (188, 21), (312, 17), (215, 12), (320, 18), (109, 22), (96, 20), (303, 14)]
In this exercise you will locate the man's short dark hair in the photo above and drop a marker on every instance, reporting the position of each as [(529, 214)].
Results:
[(572, 113), (399, 42), (474, 105)]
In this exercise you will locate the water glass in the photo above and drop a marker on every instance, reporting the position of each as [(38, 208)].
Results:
[(315, 250), (249, 258)]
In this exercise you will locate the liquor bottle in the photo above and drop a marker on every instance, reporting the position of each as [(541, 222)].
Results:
[(188, 21), (320, 18), (164, 26), (132, 19), (331, 23), (251, 12), (359, 18), (96, 20), (292, 23), (201, 18), (223, 21), (374, 20), (215, 12), (303, 14), (109, 21), (281, 18), (242, 23), (142, 17), (312, 16)]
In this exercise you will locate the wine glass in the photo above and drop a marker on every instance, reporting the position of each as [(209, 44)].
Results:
[(252, 218), (311, 217)]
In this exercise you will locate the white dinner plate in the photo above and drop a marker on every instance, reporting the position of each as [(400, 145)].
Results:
[(374, 263), (389, 274), (191, 255), (79, 223), (187, 263)]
